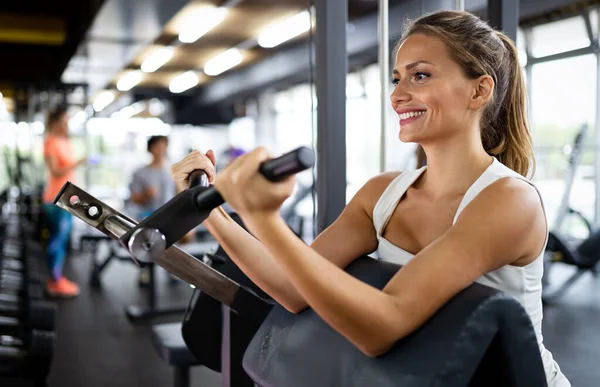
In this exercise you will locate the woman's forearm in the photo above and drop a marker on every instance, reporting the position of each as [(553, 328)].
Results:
[(366, 316), (251, 256), (57, 171)]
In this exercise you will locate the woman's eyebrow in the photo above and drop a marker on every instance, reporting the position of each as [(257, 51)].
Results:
[(411, 65)]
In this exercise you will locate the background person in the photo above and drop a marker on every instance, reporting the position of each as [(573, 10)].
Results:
[(60, 163)]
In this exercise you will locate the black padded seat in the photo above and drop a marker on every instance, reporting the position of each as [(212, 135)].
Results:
[(480, 338), (170, 346)]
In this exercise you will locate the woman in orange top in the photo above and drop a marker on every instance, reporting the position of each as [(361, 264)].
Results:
[(60, 162)]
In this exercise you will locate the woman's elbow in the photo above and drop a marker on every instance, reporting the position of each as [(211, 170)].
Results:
[(379, 344), (295, 307), (374, 351), (291, 302)]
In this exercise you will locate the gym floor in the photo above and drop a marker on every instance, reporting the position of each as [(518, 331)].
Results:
[(97, 346)]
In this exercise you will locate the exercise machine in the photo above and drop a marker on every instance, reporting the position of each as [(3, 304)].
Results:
[(479, 338), (564, 248)]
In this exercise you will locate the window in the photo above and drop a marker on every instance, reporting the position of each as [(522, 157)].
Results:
[(563, 99), (560, 36)]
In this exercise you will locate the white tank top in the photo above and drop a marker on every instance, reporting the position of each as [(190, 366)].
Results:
[(523, 283)]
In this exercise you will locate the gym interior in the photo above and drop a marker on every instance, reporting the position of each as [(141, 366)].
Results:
[(109, 275)]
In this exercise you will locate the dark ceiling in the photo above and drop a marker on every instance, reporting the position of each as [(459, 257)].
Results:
[(38, 37), (97, 41)]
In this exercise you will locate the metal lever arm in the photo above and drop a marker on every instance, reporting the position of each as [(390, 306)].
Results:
[(176, 261)]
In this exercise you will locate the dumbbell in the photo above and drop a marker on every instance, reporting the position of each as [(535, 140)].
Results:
[(26, 318), (8, 275), (12, 249), (18, 276), (11, 264), (37, 315), (29, 357), (30, 292)]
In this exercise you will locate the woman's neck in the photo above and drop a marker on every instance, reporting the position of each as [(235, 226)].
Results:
[(56, 134), (453, 166)]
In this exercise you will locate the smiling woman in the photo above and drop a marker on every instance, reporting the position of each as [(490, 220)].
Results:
[(459, 93)]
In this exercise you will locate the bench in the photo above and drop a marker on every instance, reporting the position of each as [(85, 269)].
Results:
[(169, 345)]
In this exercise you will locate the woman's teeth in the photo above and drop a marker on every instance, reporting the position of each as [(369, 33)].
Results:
[(405, 116)]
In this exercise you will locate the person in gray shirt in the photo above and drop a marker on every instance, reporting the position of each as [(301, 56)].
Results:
[(152, 186)]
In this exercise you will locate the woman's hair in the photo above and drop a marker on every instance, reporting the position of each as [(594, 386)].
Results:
[(481, 50), (53, 117)]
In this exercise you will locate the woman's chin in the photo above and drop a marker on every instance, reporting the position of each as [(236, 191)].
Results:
[(406, 137)]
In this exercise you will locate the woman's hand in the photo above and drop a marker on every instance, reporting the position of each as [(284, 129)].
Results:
[(247, 191), (180, 171)]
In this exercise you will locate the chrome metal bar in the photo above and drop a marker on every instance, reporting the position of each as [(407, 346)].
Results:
[(384, 75), (176, 261)]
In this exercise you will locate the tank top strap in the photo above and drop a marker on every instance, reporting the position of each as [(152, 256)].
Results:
[(385, 206), (493, 173)]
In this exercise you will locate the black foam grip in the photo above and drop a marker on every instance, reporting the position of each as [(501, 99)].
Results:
[(290, 163), (198, 178)]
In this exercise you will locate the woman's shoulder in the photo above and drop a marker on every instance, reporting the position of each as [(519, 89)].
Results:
[(372, 190), (50, 142), (381, 181)]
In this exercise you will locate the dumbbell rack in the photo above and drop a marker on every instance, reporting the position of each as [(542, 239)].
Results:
[(27, 337)]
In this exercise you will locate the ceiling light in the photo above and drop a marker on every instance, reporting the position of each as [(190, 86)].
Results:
[(183, 82), (200, 22), (130, 111), (157, 59), (103, 100), (223, 62), (129, 80), (78, 119), (285, 30)]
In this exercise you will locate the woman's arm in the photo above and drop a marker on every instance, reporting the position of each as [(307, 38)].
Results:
[(502, 225), (349, 237)]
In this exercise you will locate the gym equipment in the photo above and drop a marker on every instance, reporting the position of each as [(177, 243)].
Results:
[(37, 315), (151, 309), (481, 337), (584, 255), (26, 325), (216, 336), (150, 244), (27, 358), (134, 313), (154, 234), (170, 346)]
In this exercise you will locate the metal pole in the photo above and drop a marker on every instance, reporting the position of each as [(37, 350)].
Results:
[(460, 5), (384, 74), (529, 81), (504, 16), (331, 70), (596, 45)]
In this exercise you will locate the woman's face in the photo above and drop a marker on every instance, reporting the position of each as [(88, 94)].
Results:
[(432, 96), (61, 125)]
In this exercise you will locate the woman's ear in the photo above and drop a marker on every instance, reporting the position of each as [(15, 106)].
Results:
[(483, 90)]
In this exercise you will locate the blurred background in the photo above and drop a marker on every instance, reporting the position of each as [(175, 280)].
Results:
[(235, 74)]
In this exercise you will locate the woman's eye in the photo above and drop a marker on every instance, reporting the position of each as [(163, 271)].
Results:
[(395, 81), (421, 76)]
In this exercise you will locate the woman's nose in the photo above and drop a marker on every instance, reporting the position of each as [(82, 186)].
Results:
[(399, 94)]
